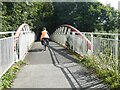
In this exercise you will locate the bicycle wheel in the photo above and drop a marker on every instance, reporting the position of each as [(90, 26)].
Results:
[(45, 44)]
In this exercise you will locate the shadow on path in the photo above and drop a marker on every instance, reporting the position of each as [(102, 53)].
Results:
[(63, 53), (35, 50), (77, 75)]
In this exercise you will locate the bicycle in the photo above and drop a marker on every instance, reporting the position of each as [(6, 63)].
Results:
[(45, 43)]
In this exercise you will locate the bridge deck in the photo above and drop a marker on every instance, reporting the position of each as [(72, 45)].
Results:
[(54, 68)]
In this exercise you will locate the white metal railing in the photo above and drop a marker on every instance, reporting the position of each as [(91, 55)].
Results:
[(14, 47), (23, 44), (106, 46), (74, 39), (101, 41), (6, 54), (102, 45)]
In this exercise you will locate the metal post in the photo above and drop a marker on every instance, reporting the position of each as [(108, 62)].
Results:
[(73, 36), (84, 44), (91, 43), (116, 52), (0, 60), (13, 48), (19, 47)]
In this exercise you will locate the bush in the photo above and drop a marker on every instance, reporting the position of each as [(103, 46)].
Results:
[(98, 67), (110, 77)]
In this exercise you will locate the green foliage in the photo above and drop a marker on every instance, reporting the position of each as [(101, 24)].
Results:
[(69, 42), (108, 76), (36, 14), (7, 79), (100, 68), (75, 55), (95, 16)]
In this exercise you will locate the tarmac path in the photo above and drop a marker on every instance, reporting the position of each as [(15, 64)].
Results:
[(54, 68)]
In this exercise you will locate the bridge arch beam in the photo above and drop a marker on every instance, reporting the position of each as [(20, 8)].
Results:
[(76, 40)]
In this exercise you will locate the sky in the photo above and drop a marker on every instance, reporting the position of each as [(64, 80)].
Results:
[(113, 3)]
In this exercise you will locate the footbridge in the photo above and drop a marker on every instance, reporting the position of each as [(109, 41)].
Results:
[(55, 67)]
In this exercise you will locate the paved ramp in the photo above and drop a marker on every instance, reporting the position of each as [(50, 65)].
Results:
[(40, 71), (54, 68)]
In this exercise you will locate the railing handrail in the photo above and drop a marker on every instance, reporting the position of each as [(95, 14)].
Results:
[(101, 33), (8, 32), (105, 43), (5, 38), (13, 48)]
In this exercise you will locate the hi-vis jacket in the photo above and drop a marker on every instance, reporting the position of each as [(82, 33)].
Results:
[(44, 35)]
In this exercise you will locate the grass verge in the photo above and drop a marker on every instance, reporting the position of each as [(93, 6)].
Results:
[(108, 76), (7, 79)]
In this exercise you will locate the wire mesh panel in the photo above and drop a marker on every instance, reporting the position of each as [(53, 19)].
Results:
[(119, 55), (105, 50), (25, 41), (6, 54), (104, 46), (0, 59), (22, 46), (78, 44), (72, 38), (14, 48)]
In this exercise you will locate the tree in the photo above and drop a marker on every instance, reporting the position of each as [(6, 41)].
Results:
[(94, 15), (85, 16)]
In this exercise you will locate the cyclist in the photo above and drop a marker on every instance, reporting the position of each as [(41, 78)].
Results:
[(44, 38)]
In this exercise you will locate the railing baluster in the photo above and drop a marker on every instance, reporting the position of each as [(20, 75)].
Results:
[(8, 47), (116, 52), (99, 46)]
